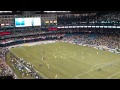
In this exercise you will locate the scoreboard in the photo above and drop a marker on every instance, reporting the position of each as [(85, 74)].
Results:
[(24, 22)]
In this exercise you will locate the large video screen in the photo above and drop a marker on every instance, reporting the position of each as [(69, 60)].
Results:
[(24, 22)]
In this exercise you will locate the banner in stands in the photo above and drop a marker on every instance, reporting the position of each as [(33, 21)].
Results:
[(4, 33), (52, 29)]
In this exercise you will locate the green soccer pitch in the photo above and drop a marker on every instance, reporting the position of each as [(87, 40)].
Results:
[(62, 60)]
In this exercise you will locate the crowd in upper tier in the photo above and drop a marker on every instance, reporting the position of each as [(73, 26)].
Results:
[(105, 37), (86, 18), (110, 40)]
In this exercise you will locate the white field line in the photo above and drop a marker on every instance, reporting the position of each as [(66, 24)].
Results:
[(69, 52), (96, 65), (113, 75), (81, 55), (34, 68), (40, 74), (56, 56), (96, 68)]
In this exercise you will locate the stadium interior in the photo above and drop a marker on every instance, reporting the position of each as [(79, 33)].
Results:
[(60, 44)]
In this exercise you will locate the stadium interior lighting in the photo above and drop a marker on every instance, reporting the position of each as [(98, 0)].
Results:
[(55, 11), (5, 11)]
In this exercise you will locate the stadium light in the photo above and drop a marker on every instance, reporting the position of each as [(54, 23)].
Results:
[(56, 11), (5, 11)]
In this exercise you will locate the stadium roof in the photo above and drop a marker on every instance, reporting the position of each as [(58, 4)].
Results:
[(41, 12)]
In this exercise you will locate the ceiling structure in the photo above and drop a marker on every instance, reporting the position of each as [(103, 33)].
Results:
[(42, 12)]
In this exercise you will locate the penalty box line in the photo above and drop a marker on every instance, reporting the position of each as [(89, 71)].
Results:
[(113, 75), (96, 68), (97, 64)]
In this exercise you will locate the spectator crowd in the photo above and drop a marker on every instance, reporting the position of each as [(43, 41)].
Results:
[(110, 40), (25, 69), (5, 70)]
